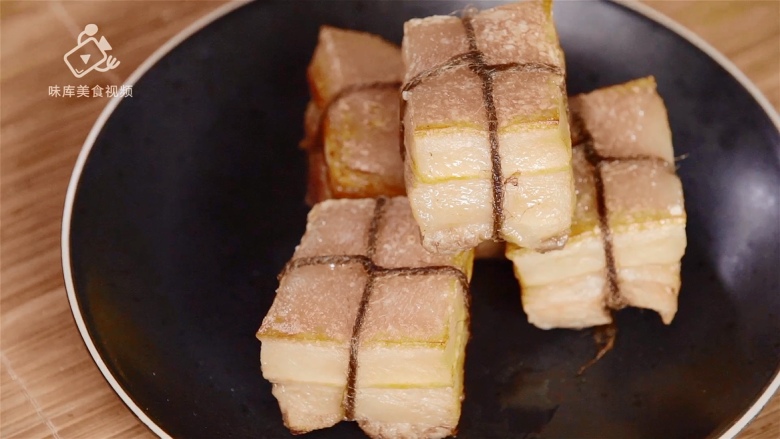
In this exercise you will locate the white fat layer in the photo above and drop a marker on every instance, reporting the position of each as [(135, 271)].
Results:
[(411, 389), (574, 303), (458, 214), (584, 254), (578, 302), (307, 407)]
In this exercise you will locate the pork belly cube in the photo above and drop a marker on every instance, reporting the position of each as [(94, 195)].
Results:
[(450, 165), (408, 381), (645, 214), (352, 123)]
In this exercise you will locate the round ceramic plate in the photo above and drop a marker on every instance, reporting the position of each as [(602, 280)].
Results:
[(188, 199)]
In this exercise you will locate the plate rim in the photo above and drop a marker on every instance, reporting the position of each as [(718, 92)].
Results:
[(219, 12)]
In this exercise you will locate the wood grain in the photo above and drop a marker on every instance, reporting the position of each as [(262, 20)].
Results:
[(49, 386)]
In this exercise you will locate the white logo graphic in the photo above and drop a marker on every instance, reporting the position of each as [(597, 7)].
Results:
[(90, 49)]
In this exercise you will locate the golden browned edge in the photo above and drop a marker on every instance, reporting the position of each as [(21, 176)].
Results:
[(324, 173)]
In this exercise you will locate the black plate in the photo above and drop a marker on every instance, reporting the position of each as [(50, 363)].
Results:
[(191, 200)]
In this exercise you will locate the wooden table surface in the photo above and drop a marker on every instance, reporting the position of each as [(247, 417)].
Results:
[(50, 387)]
